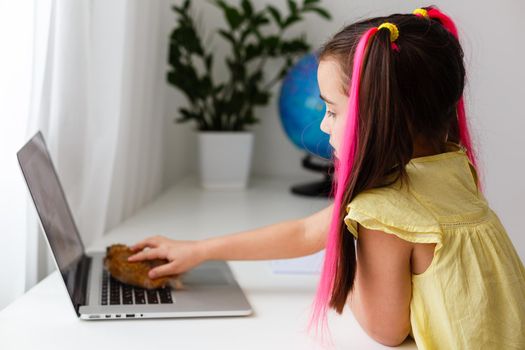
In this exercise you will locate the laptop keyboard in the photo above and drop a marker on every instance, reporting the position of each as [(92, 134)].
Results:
[(117, 293)]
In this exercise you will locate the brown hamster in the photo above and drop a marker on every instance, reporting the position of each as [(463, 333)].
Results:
[(136, 272)]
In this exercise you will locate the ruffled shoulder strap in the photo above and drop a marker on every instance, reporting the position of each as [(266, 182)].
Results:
[(393, 211)]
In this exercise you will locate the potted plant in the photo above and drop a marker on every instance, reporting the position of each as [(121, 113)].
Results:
[(224, 110)]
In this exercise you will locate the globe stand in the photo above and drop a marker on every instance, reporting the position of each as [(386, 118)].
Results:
[(319, 188)]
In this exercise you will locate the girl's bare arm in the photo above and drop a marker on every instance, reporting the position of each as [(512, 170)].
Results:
[(287, 239)]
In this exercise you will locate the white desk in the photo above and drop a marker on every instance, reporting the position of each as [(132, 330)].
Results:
[(44, 318)]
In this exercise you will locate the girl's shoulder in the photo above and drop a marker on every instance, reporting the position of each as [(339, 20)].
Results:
[(392, 211), (439, 188), (451, 171)]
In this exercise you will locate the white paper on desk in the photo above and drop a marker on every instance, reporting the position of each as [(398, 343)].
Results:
[(310, 264)]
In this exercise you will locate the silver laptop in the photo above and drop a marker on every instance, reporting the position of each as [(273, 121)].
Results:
[(211, 289)]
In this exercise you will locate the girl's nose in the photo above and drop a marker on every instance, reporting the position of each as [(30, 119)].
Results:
[(324, 126)]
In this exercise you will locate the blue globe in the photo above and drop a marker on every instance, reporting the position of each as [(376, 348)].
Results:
[(301, 109)]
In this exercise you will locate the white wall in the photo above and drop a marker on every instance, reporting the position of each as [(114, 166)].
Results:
[(492, 40)]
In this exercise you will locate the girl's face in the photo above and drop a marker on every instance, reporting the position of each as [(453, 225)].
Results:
[(328, 78)]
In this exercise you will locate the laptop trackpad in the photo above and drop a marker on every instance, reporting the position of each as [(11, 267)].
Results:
[(205, 276)]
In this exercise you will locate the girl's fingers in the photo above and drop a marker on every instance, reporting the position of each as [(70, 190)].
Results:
[(161, 271), (150, 242), (148, 254), (140, 246)]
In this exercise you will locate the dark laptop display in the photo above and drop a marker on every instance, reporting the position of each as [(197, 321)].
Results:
[(55, 215)]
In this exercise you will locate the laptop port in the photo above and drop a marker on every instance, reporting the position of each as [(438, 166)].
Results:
[(108, 316), (130, 315), (117, 315)]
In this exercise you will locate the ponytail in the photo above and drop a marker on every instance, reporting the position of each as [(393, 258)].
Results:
[(464, 134)]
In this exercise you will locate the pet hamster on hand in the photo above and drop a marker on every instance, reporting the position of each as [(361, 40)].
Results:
[(136, 272)]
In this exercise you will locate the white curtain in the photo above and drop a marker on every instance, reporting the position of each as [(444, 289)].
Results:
[(96, 95), (16, 23)]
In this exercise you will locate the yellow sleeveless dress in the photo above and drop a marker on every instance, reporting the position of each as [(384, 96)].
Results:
[(472, 296)]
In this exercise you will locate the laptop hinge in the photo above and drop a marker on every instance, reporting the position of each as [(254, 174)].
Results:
[(80, 292)]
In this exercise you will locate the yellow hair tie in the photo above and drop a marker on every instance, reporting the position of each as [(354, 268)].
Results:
[(420, 12), (394, 32)]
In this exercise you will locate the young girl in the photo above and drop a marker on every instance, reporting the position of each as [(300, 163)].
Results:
[(432, 261)]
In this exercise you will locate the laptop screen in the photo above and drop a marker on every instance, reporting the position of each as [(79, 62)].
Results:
[(53, 210)]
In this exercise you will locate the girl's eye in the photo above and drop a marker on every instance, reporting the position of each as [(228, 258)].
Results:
[(330, 114)]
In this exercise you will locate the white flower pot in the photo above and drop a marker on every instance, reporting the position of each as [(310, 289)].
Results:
[(225, 159)]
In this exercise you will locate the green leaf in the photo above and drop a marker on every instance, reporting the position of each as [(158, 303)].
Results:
[(252, 51), (260, 19), (232, 15), (292, 6), (219, 107), (220, 3), (174, 54), (238, 69), (272, 43), (244, 34), (309, 2), (205, 86), (294, 46), (236, 102), (185, 78), (290, 20), (228, 36), (283, 72), (252, 86), (274, 12), (179, 10), (187, 115), (209, 61), (249, 117), (187, 37), (247, 8), (322, 12), (234, 18), (256, 77), (218, 88), (261, 98)]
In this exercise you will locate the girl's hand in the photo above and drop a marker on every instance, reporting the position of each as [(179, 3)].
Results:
[(182, 255)]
